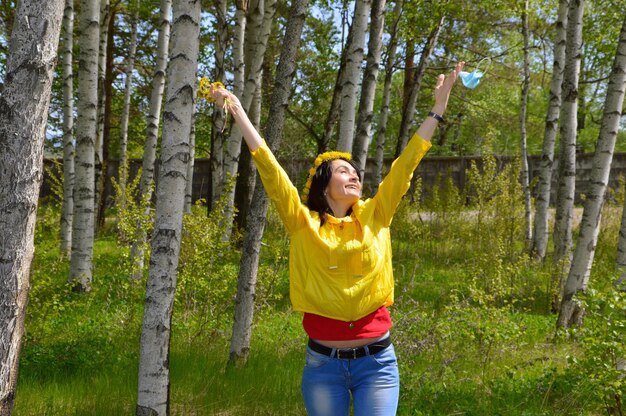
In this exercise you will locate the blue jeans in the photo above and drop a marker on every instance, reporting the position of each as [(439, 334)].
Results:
[(373, 380)]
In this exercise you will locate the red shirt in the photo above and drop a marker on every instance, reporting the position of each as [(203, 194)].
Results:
[(375, 324)]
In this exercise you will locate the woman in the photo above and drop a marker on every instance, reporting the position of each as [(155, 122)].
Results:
[(340, 264)]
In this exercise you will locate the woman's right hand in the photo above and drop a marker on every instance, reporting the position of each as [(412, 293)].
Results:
[(225, 99)]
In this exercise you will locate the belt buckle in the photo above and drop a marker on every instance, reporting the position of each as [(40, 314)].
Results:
[(354, 357)]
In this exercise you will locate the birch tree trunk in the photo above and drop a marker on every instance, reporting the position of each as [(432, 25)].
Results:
[(68, 129), (192, 155), (571, 313), (23, 118), (246, 173), (384, 109), (542, 201), (84, 196), (105, 21), (409, 109), (335, 104), (239, 39), (522, 121), (255, 45), (368, 89), (128, 86), (620, 263), (246, 285), (246, 177), (567, 155), (217, 117), (137, 253), (153, 391), (352, 75)]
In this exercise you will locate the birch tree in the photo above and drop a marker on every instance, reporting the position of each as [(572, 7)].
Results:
[(105, 23), (578, 277), (522, 122), (384, 108), (255, 45), (23, 117), (409, 108), (84, 196), (368, 88), (335, 104), (153, 389), (246, 284), (569, 123), (192, 155), (128, 87), (352, 74), (137, 253), (246, 176), (544, 174), (68, 129), (217, 117), (620, 263)]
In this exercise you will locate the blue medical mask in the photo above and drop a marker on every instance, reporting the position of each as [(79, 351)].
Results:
[(471, 79)]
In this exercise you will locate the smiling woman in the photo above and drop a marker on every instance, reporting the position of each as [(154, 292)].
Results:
[(341, 276)]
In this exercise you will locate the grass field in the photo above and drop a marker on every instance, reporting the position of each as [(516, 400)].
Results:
[(472, 328)]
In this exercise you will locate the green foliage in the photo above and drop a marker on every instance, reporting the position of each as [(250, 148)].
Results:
[(55, 176), (132, 209), (208, 267), (601, 366), (135, 219)]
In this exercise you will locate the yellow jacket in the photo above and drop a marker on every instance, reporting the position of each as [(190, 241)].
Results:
[(343, 269)]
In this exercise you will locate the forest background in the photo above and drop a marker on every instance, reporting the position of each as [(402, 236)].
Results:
[(477, 303)]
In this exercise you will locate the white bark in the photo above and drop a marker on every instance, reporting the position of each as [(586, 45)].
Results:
[(368, 89), (260, 15), (246, 285), (23, 118), (352, 74), (153, 389), (333, 111), (578, 278), (384, 109), (522, 121), (152, 133), (238, 45), (192, 155), (68, 129), (105, 18), (569, 124), (620, 283), (128, 86), (542, 201), (217, 118), (84, 193)]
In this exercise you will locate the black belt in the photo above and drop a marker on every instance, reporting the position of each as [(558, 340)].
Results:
[(350, 353)]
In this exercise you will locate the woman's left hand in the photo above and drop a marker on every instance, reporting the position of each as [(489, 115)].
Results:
[(444, 86)]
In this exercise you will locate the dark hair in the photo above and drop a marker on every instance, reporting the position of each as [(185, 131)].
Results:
[(317, 200)]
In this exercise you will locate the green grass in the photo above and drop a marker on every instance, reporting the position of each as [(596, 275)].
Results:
[(466, 344)]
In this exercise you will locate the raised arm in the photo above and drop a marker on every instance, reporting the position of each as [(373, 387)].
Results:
[(275, 180), (397, 182), (442, 93)]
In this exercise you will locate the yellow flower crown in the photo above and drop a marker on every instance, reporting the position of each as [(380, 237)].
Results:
[(204, 89), (324, 157)]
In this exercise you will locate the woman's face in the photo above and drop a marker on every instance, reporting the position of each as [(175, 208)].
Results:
[(344, 184)]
